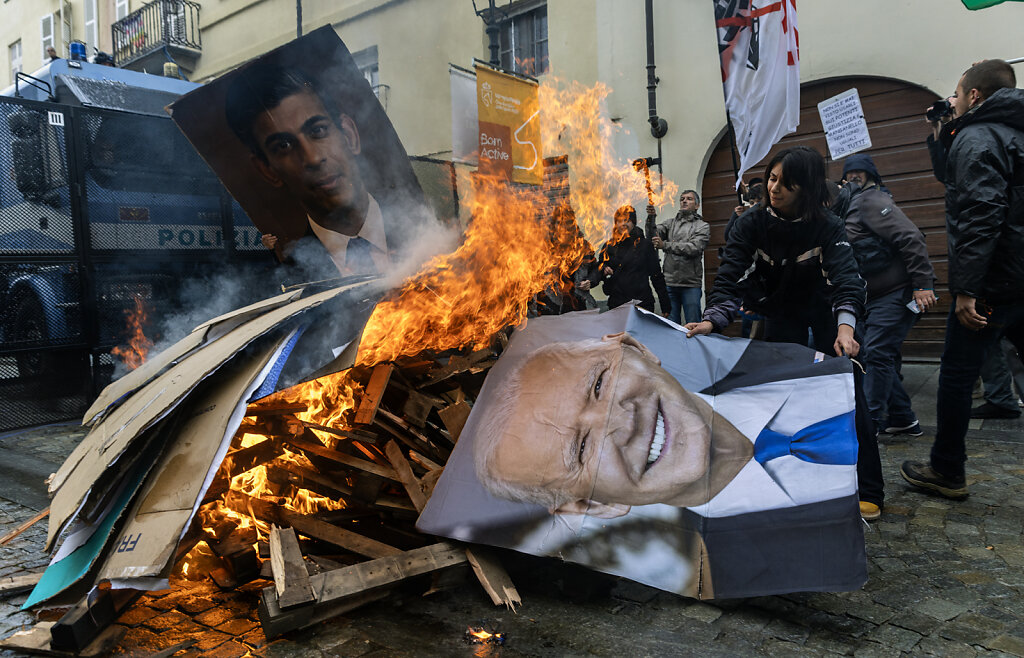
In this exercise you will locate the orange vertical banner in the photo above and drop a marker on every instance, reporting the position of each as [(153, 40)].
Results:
[(508, 110)]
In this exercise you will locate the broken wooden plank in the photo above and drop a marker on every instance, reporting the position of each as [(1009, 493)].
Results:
[(341, 590), (374, 392), (11, 585), (416, 408), (344, 434), (24, 526), (291, 580), (343, 459), (423, 461), (409, 481), (238, 552), (276, 621), (276, 409), (332, 487), (493, 577), (308, 525), (454, 417), (37, 641), (403, 436)]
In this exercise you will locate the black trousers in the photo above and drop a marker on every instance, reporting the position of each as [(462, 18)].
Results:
[(822, 324)]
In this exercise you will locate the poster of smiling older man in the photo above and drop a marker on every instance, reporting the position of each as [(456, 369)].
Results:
[(299, 138), (710, 467)]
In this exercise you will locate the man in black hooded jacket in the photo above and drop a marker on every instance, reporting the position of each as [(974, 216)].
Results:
[(893, 260), (985, 232)]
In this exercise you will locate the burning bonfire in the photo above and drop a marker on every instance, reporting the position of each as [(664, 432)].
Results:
[(319, 486)]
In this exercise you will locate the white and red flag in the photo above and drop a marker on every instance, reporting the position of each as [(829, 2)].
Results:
[(760, 50)]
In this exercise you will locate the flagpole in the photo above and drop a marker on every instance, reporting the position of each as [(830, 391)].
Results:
[(732, 152)]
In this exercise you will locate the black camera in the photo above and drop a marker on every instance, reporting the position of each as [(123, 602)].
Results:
[(939, 110)]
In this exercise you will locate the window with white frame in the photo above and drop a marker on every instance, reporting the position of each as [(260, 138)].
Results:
[(121, 9), (369, 66), (92, 28), (524, 39), (14, 53), (46, 35)]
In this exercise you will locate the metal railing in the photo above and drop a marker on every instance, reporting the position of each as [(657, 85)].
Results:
[(158, 24)]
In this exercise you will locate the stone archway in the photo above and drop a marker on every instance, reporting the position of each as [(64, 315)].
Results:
[(895, 114)]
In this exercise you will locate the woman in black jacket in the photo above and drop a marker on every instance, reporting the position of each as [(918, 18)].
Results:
[(790, 261), (629, 265)]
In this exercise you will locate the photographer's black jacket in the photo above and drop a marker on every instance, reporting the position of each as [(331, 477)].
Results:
[(985, 199), (779, 268)]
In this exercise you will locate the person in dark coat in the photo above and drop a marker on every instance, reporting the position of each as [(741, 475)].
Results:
[(893, 260), (984, 180), (790, 261), (628, 265)]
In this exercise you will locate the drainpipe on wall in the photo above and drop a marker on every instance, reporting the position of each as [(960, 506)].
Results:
[(659, 127)]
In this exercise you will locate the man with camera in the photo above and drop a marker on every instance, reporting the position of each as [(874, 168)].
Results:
[(984, 178), (893, 260)]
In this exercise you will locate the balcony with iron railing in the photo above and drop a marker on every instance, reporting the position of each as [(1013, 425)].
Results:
[(163, 30)]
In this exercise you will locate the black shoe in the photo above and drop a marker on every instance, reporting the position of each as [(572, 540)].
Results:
[(989, 410), (924, 476), (914, 429)]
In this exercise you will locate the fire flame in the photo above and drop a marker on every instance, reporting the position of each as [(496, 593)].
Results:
[(134, 353), (515, 246)]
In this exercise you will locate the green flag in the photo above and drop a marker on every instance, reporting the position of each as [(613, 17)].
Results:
[(982, 4)]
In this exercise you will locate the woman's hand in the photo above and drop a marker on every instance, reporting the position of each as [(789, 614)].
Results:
[(845, 344), (698, 328)]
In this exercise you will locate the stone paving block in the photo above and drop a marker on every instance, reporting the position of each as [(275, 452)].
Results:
[(1008, 643), (776, 647), (894, 636), (137, 614), (826, 641), (167, 620), (975, 553), (936, 646), (702, 612), (875, 650), (230, 649), (982, 623), (871, 612), (237, 626), (940, 609), (965, 633), (255, 638), (207, 639), (216, 616), (915, 621), (973, 577), (787, 631)]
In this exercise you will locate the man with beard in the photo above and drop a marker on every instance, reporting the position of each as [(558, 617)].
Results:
[(683, 239), (984, 181), (301, 142)]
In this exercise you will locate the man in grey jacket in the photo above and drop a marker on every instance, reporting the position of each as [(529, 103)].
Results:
[(893, 260), (683, 239)]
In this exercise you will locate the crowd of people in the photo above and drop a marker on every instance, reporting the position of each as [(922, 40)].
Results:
[(841, 268)]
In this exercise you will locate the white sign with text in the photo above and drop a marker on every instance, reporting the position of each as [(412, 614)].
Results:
[(846, 131)]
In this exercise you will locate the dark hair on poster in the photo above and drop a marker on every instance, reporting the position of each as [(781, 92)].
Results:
[(221, 120)]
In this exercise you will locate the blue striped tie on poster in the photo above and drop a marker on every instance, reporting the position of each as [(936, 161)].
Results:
[(709, 467)]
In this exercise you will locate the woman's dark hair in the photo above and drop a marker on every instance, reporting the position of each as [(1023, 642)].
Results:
[(804, 167)]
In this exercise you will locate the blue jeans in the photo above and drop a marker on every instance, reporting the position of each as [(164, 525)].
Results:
[(685, 303), (886, 326), (962, 358)]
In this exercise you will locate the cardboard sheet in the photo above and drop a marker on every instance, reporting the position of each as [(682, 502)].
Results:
[(167, 503), (206, 332), (114, 433)]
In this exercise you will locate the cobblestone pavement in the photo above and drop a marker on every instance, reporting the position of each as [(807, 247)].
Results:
[(945, 578)]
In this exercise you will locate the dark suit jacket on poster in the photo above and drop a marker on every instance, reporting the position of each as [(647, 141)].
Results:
[(785, 525)]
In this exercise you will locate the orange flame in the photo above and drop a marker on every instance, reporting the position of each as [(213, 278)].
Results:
[(512, 250), (134, 353)]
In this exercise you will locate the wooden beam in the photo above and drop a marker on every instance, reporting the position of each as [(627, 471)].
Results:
[(454, 417), (291, 580), (11, 585), (85, 622), (309, 526), (276, 409), (423, 461), (341, 590), (409, 481), (343, 459), (344, 434), (374, 392), (493, 577), (24, 526)]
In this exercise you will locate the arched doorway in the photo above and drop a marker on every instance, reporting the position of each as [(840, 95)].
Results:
[(895, 114)]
